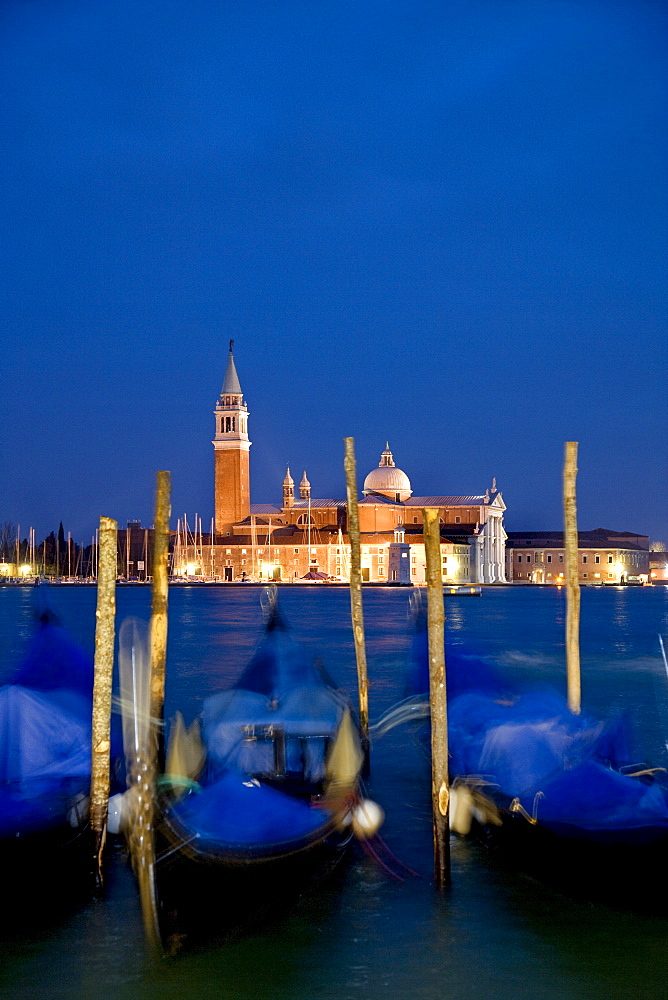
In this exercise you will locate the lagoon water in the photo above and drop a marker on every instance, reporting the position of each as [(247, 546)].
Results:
[(496, 933)]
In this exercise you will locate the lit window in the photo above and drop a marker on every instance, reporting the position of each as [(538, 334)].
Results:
[(243, 552), (381, 571)]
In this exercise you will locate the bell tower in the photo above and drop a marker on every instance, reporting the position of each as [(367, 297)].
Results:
[(231, 456)]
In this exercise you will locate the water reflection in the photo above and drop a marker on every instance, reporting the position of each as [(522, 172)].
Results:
[(494, 934)]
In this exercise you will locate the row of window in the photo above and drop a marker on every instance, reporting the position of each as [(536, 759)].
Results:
[(585, 576), (548, 558), (381, 554)]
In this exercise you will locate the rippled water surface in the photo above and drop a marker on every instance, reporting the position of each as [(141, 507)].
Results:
[(495, 933)]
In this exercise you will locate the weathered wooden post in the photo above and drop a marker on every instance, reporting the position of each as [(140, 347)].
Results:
[(571, 550), (356, 591), (102, 684), (160, 589), (142, 833), (440, 795)]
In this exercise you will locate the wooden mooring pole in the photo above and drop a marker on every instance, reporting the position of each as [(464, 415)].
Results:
[(440, 794), (356, 591), (160, 590), (102, 684), (571, 550), (142, 844)]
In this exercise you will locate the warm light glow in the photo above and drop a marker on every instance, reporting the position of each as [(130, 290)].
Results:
[(5, 569), (453, 565), (191, 569), (25, 570)]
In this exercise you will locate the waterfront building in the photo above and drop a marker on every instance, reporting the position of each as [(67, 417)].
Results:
[(306, 536), (604, 557), (658, 566)]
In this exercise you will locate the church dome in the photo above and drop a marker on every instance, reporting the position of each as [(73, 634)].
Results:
[(388, 480)]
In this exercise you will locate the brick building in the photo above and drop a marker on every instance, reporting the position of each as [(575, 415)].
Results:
[(604, 557)]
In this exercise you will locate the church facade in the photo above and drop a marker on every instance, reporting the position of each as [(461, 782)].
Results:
[(306, 537)]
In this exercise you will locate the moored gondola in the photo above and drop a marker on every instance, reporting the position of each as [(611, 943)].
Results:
[(258, 797), (45, 769), (560, 795)]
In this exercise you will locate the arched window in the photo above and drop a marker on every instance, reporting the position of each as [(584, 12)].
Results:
[(303, 521), (233, 422), (227, 424)]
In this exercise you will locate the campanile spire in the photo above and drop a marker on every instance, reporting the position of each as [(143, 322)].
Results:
[(231, 452)]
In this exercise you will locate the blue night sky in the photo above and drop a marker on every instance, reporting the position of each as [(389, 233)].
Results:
[(443, 225)]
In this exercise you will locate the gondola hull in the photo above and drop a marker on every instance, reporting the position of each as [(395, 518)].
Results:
[(209, 895), (629, 871)]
